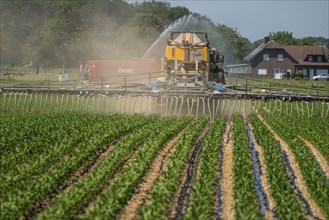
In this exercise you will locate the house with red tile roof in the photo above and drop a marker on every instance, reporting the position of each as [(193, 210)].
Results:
[(272, 60)]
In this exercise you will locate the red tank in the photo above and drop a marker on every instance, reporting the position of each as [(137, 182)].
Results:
[(138, 71)]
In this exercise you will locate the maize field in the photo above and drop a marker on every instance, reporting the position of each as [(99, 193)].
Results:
[(66, 159)]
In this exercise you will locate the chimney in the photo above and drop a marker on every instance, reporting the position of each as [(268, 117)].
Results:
[(266, 39)]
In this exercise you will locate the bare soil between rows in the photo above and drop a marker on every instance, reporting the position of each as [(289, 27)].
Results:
[(227, 183), (140, 196)]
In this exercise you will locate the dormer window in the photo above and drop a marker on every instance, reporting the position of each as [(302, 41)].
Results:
[(266, 56), (280, 57), (319, 58), (310, 58)]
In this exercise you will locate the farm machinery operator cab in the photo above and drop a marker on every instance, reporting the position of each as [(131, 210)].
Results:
[(190, 62)]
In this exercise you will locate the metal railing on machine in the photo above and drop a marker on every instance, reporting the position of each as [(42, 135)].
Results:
[(164, 105), (124, 81)]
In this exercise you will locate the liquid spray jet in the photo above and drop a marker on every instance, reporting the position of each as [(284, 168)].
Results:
[(188, 23)]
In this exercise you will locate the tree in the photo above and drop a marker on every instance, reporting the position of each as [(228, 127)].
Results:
[(58, 40), (232, 45), (176, 13), (18, 20), (134, 38), (155, 8), (313, 41), (283, 38)]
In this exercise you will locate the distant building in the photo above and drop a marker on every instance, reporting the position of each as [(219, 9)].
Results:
[(272, 60), (238, 69)]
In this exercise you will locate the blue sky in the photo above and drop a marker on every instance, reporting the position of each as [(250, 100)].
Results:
[(256, 19)]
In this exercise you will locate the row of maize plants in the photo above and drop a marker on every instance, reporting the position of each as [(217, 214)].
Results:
[(316, 181)]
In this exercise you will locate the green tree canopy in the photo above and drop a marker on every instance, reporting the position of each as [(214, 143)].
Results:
[(283, 38), (233, 45)]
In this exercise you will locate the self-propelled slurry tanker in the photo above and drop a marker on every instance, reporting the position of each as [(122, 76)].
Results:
[(189, 63)]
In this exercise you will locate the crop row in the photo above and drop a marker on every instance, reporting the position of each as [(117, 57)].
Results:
[(206, 185), (246, 200), (315, 180)]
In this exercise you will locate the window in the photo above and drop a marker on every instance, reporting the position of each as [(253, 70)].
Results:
[(266, 56), (321, 71), (280, 57), (319, 58), (262, 71), (310, 58)]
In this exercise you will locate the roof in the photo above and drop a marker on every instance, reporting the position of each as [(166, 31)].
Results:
[(255, 52), (237, 65), (298, 53)]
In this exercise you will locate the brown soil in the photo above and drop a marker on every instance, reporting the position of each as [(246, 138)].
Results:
[(299, 180), (227, 183), (140, 196), (263, 178), (321, 160), (174, 204)]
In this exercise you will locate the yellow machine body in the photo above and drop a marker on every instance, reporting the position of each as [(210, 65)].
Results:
[(186, 57), (187, 52), (190, 62), (187, 60), (178, 53)]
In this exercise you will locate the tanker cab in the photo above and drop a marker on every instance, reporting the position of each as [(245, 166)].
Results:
[(189, 58)]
